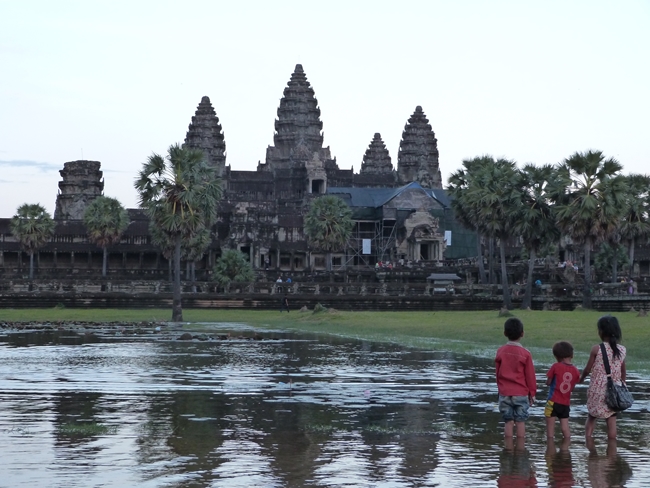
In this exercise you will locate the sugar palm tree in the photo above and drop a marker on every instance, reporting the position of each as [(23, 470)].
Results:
[(466, 210), (328, 225), (590, 201), (536, 223), (106, 220), (635, 225), (179, 193), (33, 227), (498, 195)]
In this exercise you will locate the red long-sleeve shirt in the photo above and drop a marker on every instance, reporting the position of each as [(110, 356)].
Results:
[(515, 371)]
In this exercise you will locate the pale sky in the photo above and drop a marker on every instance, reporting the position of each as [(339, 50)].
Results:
[(114, 81)]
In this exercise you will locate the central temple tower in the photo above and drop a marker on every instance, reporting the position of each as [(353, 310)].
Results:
[(298, 129)]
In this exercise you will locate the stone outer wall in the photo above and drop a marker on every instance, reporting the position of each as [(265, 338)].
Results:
[(267, 296)]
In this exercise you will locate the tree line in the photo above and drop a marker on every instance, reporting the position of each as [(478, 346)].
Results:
[(585, 198)]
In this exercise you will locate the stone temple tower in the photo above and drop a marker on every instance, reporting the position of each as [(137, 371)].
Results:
[(418, 153), (377, 160), (298, 129), (81, 183), (205, 133)]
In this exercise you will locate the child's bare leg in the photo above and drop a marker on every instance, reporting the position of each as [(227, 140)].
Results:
[(508, 428), (521, 429), (589, 426), (550, 446), (611, 427), (591, 445), (564, 425), (550, 427), (520, 443), (565, 444), (509, 443)]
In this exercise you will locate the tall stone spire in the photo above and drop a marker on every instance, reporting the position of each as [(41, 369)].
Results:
[(376, 160), (205, 133), (418, 153), (298, 128)]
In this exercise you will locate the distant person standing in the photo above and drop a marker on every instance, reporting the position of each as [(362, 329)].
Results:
[(284, 304), (515, 379)]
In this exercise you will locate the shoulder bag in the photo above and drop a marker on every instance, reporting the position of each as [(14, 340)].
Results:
[(617, 397)]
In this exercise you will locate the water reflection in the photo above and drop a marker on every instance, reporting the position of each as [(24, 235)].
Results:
[(285, 411), (517, 469), (608, 469), (560, 465)]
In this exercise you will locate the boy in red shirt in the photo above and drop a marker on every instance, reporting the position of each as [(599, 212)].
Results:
[(515, 379), (562, 378)]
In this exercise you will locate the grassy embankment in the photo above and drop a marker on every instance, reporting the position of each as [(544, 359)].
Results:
[(477, 333)]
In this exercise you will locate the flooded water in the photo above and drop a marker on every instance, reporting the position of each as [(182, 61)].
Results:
[(273, 409)]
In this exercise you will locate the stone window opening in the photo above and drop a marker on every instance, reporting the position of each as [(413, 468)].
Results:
[(318, 186)]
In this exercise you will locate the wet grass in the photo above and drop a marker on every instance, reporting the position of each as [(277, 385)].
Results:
[(477, 333), (85, 429), (369, 429)]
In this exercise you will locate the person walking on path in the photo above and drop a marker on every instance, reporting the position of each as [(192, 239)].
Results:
[(609, 332), (516, 381), (562, 379), (285, 304)]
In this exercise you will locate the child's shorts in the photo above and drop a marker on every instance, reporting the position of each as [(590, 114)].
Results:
[(554, 409), (514, 408)]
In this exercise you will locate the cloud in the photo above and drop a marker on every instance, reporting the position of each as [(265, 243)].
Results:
[(43, 167)]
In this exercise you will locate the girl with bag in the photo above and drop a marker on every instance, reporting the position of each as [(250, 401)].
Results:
[(609, 331)]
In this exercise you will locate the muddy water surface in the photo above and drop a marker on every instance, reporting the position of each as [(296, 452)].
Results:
[(273, 409)]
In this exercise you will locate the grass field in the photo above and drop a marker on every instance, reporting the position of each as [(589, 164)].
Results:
[(478, 333)]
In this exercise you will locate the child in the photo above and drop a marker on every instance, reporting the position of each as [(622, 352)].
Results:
[(609, 332), (562, 378), (515, 379)]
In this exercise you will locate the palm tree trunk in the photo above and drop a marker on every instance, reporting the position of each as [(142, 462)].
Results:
[(631, 255), (586, 292), (31, 265), (104, 261), (328, 264), (479, 258), (177, 310), (615, 263), (491, 259), (528, 295), (507, 302)]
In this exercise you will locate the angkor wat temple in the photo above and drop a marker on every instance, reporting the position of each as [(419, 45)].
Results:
[(400, 214)]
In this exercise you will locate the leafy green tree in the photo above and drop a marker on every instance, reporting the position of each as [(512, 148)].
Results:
[(194, 249), (536, 222), (605, 258), (498, 195), (328, 225), (179, 193), (590, 201), (106, 220), (233, 266), (33, 227)]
